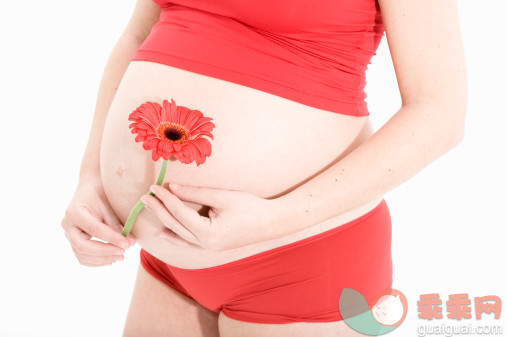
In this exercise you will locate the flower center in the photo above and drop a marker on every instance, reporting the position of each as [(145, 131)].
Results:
[(172, 132)]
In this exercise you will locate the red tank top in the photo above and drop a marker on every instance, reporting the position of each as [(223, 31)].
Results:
[(312, 52)]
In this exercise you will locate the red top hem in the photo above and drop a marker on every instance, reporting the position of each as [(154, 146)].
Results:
[(255, 81)]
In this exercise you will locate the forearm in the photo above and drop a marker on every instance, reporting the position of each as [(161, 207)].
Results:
[(113, 73), (414, 137)]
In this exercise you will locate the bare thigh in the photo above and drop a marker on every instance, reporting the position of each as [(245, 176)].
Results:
[(232, 328), (157, 310)]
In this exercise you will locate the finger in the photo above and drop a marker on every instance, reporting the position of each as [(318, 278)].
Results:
[(82, 244), (95, 265), (212, 197), (159, 209), (101, 231), (89, 264), (96, 261), (175, 239), (187, 216), (112, 220)]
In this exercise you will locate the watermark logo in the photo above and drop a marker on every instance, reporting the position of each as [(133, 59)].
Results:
[(386, 312), (459, 310), (458, 306)]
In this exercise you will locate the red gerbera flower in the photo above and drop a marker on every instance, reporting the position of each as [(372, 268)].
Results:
[(172, 131)]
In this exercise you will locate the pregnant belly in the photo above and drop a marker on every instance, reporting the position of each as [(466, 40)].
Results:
[(263, 144)]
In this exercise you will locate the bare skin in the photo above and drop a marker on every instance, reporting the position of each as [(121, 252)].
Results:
[(239, 153), (126, 171)]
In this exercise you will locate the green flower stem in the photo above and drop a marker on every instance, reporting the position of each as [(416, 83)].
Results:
[(139, 205)]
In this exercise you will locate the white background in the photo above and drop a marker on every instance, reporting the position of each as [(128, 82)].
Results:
[(448, 220)]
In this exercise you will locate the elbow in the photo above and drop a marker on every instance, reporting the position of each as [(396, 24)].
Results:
[(453, 115), (455, 140), (454, 126), (444, 124), (459, 137), (458, 120)]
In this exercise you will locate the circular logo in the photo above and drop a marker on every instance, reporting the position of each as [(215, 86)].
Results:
[(389, 307)]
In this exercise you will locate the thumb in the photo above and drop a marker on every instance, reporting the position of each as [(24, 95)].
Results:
[(208, 196)]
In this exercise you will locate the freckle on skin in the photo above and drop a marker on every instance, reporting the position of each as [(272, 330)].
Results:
[(335, 179), (310, 195), (307, 211)]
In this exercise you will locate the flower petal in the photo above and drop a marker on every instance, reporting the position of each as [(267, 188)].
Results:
[(194, 153), (140, 138), (203, 145), (173, 111), (148, 111), (165, 111), (143, 126), (194, 117), (144, 119), (204, 126), (167, 147), (155, 155), (151, 144)]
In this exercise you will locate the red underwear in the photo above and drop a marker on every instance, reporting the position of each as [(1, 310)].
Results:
[(298, 282)]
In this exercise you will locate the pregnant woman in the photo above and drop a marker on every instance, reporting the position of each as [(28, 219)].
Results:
[(295, 183)]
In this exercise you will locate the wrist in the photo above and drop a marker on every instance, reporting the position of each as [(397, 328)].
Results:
[(282, 218)]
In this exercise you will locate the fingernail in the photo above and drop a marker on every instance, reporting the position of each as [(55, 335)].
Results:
[(174, 186), (144, 199), (119, 252), (124, 245)]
